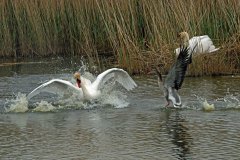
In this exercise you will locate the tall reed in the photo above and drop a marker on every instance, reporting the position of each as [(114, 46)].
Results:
[(137, 33)]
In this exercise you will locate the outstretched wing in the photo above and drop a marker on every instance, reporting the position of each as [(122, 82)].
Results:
[(118, 75), (55, 86), (200, 44), (204, 44), (177, 73)]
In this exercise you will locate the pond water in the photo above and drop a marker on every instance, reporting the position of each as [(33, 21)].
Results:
[(122, 125)]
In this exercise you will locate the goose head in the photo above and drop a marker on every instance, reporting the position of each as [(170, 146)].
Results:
[(77, 77), (183, 39)]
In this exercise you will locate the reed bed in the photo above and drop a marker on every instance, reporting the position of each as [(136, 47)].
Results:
[(137, 34)]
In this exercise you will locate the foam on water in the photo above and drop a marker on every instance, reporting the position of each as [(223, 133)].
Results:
[(44, 106), (18, 105), (116, 99), (111, 95)]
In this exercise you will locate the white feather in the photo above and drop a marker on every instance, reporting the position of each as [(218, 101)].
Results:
[(56, 86), (200, 44)]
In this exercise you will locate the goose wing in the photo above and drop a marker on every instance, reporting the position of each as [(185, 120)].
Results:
[(116, 74), (177, 73), (55, 86)]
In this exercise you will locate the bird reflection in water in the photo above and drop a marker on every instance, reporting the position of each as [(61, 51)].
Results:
[(177, 128)]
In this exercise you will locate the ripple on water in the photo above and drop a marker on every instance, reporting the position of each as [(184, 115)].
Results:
[(214, 135), (143, 130)]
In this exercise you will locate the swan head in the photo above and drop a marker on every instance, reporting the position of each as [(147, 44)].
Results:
[(184, 39), (77, 76)]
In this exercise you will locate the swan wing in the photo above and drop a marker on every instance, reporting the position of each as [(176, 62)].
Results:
[(200, 44), (203, 44), (195, 45), (207, 44), (55, 86), (116, 74)]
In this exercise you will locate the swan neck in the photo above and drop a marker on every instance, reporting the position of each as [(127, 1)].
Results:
[(86, 93), (84, 88)]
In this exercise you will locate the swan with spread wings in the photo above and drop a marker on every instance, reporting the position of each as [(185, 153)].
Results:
[(198, 44), (85, 89)]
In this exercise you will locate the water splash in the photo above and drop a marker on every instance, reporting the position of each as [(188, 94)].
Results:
[(116, 99), (44, 106), (72, 102), (18, 105), (112, 94), (205, 104), (86, 68), (229, 101), (207, 107)]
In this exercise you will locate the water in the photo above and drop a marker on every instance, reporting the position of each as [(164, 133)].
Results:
[(122, 125)]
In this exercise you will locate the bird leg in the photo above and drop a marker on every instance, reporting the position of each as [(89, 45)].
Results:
[(167, 105)]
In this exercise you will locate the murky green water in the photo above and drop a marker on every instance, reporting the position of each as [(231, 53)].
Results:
[(140, 129)]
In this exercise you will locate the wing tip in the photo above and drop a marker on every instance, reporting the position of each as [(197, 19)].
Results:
[(29, 96)]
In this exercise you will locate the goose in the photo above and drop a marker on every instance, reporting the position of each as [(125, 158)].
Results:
[(85, 89), (174, 79), (197, 44)]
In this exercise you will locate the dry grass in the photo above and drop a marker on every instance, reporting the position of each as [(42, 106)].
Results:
[(137, 33)]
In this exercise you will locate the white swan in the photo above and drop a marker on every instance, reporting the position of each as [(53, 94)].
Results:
[(85, 88), (197, 44)]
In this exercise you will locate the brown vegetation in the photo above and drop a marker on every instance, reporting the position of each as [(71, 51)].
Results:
[(137, 33)]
